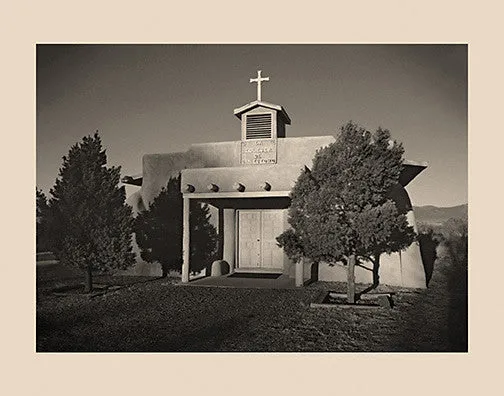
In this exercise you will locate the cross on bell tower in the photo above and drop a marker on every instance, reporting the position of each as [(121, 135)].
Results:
[(261, 121), (259, 80)]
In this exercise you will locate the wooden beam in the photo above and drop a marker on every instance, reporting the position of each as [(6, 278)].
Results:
[(237, 194)]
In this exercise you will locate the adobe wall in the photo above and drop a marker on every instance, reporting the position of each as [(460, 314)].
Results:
[(279, 177), (400, 269), (290, 151), (158, 168)]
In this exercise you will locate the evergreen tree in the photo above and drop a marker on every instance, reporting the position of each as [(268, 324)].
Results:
[(42, 220), (92, 224), (159, 231), (341, 210), (203, 237)]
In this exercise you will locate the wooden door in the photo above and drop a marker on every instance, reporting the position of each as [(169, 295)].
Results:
[(271, 227), (257, 245), (249, 233)]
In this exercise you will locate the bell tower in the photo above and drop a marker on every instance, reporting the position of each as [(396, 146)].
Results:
[(259, 119)]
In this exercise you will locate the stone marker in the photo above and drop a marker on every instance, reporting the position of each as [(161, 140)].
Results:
[(219, 267)]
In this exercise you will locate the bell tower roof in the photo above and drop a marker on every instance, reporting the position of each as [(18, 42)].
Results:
[(259, 103)]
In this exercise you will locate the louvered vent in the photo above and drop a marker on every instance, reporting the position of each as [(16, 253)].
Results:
[(258, 126)]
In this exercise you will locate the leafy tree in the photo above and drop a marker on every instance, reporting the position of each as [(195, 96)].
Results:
[(159, 231), (92, 223), (341, 210)]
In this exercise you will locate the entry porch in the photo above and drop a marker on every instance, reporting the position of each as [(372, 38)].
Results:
[(248, 225)]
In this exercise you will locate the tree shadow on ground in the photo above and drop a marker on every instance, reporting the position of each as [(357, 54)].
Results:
[(366, 290), (207, 339), (457, 275), (436, 319), (455, 242)]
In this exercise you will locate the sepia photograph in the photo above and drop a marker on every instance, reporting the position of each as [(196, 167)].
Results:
[(251, 198)]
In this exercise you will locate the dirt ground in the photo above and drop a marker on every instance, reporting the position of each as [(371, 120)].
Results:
[(154, 315)]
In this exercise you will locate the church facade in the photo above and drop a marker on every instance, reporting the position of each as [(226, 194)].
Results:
[(248, 182)]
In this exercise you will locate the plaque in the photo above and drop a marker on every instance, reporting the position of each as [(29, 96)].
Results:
[(259, 152)]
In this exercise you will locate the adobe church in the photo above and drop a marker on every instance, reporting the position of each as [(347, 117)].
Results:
[(247, 183)]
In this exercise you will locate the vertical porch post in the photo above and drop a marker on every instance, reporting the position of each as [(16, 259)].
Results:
[(220, 246), (185, 242), (229, 220)]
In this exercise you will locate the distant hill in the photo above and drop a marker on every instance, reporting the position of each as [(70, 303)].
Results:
[(433, 215)]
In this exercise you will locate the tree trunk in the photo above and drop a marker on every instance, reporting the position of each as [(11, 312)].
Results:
[(376, 271), (164, 270), (89, 279), (351, 279)]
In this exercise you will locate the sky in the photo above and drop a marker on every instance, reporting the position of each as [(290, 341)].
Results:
[(161, 98)]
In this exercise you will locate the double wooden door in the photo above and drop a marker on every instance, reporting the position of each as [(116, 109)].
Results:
[(257, 232)]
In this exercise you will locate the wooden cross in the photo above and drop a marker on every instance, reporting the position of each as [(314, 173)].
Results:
[(259, 80)]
